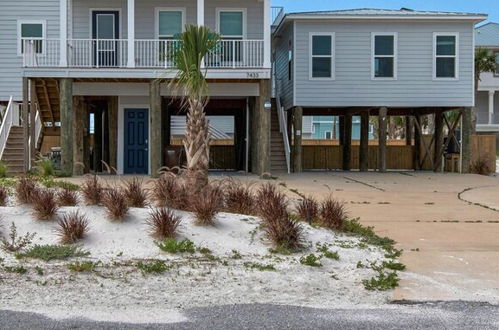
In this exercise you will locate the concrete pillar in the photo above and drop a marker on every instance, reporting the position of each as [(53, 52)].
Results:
[(78, 127), (155, 127), (297, 146), (347, 143), (263, 123), (382, 139), (439, 140), (67, 133), (364, 142), (417, 143), (466, 134)]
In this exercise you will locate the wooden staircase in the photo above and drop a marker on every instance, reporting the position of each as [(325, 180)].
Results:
[(47, 94), (277, 153), (13, 155)]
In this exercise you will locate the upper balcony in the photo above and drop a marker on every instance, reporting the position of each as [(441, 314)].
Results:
[(132, 38)]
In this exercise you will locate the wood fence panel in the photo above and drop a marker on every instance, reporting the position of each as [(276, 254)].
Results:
[(483, 147)]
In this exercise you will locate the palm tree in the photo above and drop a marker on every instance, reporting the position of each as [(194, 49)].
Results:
[(485, 61), (190, 80)]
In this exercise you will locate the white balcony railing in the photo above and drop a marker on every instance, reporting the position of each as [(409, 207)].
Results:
[(91, 53)]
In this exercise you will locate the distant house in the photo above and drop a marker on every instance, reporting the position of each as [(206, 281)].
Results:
[(487, 100), (328, 128), (376, 62)]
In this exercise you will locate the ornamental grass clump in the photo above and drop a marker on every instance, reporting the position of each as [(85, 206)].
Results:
[(163, 223), (92, 190), (238, 198), (67, 197), (285, 233), (114, 201), (332, 214), (308, 209), (25, 188), (171, 192), (44, 204), (206, 204), (72, 227), (135, 195)]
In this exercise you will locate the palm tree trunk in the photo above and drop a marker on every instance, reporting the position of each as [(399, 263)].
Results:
[(197, 145)]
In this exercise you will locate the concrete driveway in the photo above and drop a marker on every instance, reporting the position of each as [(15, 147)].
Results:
[(447, 224)]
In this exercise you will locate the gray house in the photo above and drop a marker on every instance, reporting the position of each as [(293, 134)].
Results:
[(86, 73), (487, 36), (376, 62)]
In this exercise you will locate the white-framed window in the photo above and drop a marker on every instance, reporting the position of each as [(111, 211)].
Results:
[(31, 30), (384, 55), (328, 135), (321, 56), (170, 22), (445, 56), (231, 23)]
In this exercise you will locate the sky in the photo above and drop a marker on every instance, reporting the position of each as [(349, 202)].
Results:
[(490, 7)]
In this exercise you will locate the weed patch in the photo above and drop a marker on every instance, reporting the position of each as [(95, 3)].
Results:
[(154, 267), (311, 260), (171, 245), (382, 282), (260, 267), (53, 252), (80, 267)]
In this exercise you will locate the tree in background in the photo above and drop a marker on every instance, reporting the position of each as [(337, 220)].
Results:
[(485, 61)]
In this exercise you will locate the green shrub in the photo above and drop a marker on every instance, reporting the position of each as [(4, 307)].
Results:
[(16, 269), (393, 265), (49, 182), (382, 282), (3, 170), (46, 166), (323, 248), (156, 267), (16, 243), (367, 234), (53, 252), (173, 246), (311, 260)]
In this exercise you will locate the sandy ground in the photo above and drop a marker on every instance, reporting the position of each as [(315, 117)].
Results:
[(447, 224), (117, 291)]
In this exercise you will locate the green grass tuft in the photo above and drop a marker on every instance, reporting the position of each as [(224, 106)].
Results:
[(173, 246), (260, 267), (16, 269), (393, 265), (311, 260), (154, 267), (53, 252), (80, 267)]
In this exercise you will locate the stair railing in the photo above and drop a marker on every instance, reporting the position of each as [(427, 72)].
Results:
[(7, 123), (283, 125), (38, 133)]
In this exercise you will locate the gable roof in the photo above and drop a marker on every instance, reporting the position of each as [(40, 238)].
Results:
[(487, 35)]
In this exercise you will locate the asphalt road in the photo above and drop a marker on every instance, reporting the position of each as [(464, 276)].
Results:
[(448, 315)]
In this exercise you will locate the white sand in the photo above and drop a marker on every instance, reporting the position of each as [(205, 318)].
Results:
[(118, 291)]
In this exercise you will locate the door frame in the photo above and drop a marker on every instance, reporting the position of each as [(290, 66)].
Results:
[(91, 22), (117, 35), (121, 134)]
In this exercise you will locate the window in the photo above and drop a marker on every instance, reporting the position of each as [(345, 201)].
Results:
[(446, 59), (290, 60), (170, 22), (384, 52), (328, 135), (31, 33), (321, 56), (231, 23)]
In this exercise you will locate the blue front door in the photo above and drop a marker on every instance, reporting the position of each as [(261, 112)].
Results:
[(136, 141)]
